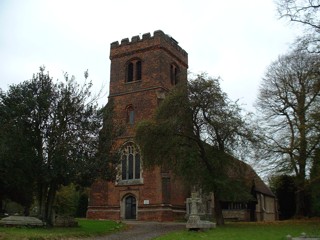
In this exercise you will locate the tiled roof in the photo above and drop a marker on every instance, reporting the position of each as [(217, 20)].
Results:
[(251, 178)]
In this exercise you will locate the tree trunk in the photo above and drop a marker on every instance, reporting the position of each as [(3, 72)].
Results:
[(49, 206), (302, 159), (42, 196), (300, 199), (218, 211), (1, 206)]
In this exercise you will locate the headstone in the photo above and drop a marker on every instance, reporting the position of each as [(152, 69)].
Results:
[(65, 221), (194, 221), (21, 221), (303, 236)]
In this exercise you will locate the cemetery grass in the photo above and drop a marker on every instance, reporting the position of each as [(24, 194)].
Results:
[(86, 228), (253, 231)]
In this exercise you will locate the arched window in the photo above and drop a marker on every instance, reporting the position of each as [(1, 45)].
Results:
[(130, 162), (130, 72), (174, 71), (130, 114), (134, 70), (138, 70)]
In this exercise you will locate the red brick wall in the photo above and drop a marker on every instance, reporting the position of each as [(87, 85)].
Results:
[(157, 53), (98, 194)]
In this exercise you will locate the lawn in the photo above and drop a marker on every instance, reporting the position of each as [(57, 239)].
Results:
[(86, 228), (251, 231), (236, 231)]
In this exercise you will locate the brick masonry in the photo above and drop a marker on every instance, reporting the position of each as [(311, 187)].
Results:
[(157, 54)]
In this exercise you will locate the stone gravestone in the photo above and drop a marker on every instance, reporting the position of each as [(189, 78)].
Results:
[(65, 221), (21, 221), (303, 236), (194, 221)]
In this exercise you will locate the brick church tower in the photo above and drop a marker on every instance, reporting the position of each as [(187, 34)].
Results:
[(143, 70)]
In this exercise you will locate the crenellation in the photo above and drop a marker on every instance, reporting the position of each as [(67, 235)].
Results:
[(115, 44), (159, 33), (125, 41), (135, 39), (147, 36)]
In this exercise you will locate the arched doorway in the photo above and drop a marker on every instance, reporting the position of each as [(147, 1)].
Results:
[(130, 207)]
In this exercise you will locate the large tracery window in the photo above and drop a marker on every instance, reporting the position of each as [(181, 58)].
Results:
[(130, 162)]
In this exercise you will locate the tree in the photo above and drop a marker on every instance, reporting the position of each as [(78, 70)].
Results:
[(288, 100), (301, 11), (307, 14), (16, 149), (195, 129), (314, 186), (57, 125), (108, 133), (72, 201), (66, 201), (284, 187)]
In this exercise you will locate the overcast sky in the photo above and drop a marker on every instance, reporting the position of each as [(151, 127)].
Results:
[(235, 39)]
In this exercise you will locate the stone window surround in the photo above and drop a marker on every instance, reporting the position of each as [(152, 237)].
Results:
[(133, 70), (174, 72), (130, 114), (134, 181)]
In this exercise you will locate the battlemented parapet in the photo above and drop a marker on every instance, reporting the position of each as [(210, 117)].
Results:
[(146, 43)]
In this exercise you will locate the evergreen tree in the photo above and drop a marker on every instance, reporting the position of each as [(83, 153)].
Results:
[(49, 135)]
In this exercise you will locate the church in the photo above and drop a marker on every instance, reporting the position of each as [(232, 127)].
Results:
[(143, 70)]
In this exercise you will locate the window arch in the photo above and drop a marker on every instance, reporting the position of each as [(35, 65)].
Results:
[(130, 162), (130, 114), (134, 70)]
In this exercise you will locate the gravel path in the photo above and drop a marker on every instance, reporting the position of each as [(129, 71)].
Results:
[(142, 231)]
